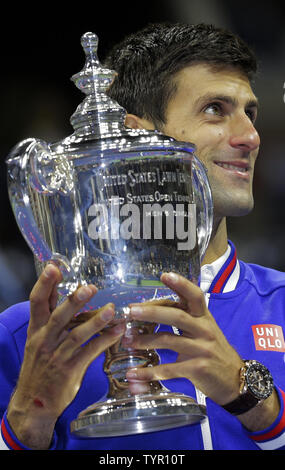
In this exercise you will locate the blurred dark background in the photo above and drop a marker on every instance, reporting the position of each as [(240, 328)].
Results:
[(40, 51)]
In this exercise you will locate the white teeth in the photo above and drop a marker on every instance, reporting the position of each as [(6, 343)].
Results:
[(232, 167)]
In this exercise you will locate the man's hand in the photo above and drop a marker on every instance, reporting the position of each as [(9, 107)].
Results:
[(56, 357), (205, 356)]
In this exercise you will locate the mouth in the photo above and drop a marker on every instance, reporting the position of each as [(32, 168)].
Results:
[(238, 168)]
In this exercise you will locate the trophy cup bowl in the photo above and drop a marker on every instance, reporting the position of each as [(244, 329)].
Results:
[(115, 207)]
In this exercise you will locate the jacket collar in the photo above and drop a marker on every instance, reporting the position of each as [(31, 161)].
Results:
[(223, 274)]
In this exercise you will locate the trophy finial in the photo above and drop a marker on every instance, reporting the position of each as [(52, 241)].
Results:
[(89, 42), (98, 114)]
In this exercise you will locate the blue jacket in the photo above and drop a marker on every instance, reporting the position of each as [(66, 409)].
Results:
[(252, 317)]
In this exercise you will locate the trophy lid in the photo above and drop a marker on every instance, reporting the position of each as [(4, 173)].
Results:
[(98, 115), (99, 121)]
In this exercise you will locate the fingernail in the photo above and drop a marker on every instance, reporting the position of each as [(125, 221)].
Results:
[(107, 314), (138, 388), (136, 310), (173, 277), (120, 328), (132, 374), (84, 293), (128, 339), (48, 271)]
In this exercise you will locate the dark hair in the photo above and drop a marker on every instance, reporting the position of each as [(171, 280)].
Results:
[(147, 61)]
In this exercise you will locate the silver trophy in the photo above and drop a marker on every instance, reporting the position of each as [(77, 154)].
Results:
[(115, 207)]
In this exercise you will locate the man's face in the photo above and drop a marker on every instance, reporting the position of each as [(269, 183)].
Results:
[(216, 110)]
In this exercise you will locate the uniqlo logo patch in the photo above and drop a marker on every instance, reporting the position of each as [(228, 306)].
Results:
[(268, 338)]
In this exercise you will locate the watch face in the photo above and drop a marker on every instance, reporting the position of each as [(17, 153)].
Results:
[(259, 380)]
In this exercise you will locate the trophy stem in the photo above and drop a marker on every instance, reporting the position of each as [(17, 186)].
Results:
[(118, 359)]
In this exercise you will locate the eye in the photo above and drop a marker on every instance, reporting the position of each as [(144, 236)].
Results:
[(252, 114), (215, 109)]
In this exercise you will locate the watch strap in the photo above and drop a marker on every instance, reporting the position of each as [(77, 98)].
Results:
[(241, 404)]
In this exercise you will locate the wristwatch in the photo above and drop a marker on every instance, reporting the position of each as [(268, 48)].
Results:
[(256, 384)]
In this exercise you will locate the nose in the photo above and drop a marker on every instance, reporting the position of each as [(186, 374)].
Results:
[(244, 135)]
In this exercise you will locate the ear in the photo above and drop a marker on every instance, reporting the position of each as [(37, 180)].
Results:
[(135, 122)]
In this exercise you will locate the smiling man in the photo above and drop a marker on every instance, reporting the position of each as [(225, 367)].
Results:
[(216, 109), (194, 84)]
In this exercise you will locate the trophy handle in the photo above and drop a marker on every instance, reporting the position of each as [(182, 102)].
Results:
[(24, 173), (204, 203)]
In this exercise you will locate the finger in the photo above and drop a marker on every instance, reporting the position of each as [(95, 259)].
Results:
[(83, 317), (99, 344), (160, 302), (42, 295), (172, 316), (53, 299), (62, 315), (150, 374), (81, 334), (139, 387), (188, 292), (164, 340)]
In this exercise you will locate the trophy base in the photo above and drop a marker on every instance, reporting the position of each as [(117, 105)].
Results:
[(138, 414)]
